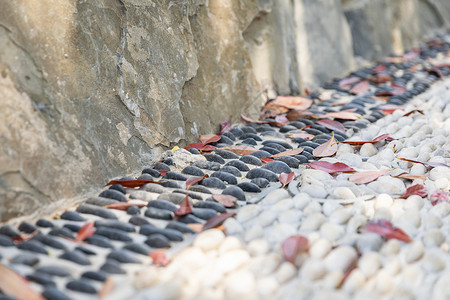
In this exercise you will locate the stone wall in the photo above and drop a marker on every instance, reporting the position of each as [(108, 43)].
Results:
[(92, 90)]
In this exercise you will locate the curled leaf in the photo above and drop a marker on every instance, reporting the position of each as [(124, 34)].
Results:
[(217, 220), (225, 126), (367, 176), (326, 149), (86, 231), (380, 138), (331, 124), (225, 200), (331, 167), (281, 119), (131, 183), (15, 285), (289, 152), (126, 205), (344, 114), (159, 257), (347, 82), (209, 138), (296, 103), (285, 178), (200, 147), (265, 160), (194, 180), (360, 88), (292, 246), (240, 149), (438, 196), (416, 189), (414, 111), (185, 207), (385, 229), (306, 136), (427, 164), (379, 68), (411, 177)]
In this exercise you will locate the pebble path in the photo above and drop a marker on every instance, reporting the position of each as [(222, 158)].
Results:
[(407, 97)]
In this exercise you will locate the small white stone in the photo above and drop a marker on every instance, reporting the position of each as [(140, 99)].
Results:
[(433, 237), (382, 213), (331, 232), (286, 271), (359, 207), (330, 206), (267, 217), (230, 243), (209, 239), (413, 202), (431, 221), (267, 287), (412, 217), (301, 200), (413, 252), (368, 150), (370, 132), (239, 285), (266, 265), (391, 247), (369, 263), (258, 247), (355, 223), (345, 148), (355, 281), (343, 192), (275, 196), (248, 212), (232, 226), (313, 207), (403, 121), (164, 291), (441, 210), (440, 172), (433, 261), (232, 260), (340, 216), (320, 248), (332, 280), (383, 200), (279, 233), (191, 257), (283, 205), (392, 128), (409, 152), (315, 191), (353, 160), (253, 232), (441, 183), (368, 242), (309, 174), (386, 154), (392, 266), (384, 282), (290, 216), (388, 185), (418, 169), (341, 258), (313, 269), (313, 222)]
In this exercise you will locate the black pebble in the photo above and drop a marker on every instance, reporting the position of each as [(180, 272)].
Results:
[(290, 161), (99, 241), (234, 191), (76, 257), (52, 293), (232, 170), (27, 259), (226, 177), (171, 234), (44, 223), (72, 216), (214, 158), (33, 246), (251, 160), (123, 256), (208, 165), (162, 204), (81, 286), (308, 155), (249, 141), (175, 176), (6, 241), (112, 267), (301, 158), (229, 135), (194, 151), (211, 204), (213, 182), (277, 167), (225, 140), (275, 146), (193, 170), (157, 213), (133, 210), (113, 194), (41, 278), (145, 176), (170, 184), (181, 227), (250, 135), (158, 241), (240, 165), (113, 234), (204, 213), (281, 143), (138, 220), (261, 182), (298, 140), (27, 227), (50, 241), (262, 173), (190, 218), (118, 187), (307, 149), (247, 129), (138, 248), (261, 154), (160, 166), (193, 195), (95, 275), (127, 227), (62, 232), (72, 227), (226, 154), (237, 132), (153, 188), (309, 144), (10, 231), (175, 198), (85, 250), (168, 161), (151, 172), (53, 271), (100, 201), (272, 151), (249, 187), (96, 211), (200, 189), (287, 128)]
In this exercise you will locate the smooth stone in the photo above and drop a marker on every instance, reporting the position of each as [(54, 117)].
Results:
[(413, 252), (261, 154), (181, 227), (433, 237), (44, 223), (251, 160), (314, 191), (96, 211), (193, 170), (258, 247), (266, 218), (235, 191), (160, 166), (290, 216), (175, 176), (270, 150), (158, 241), (433, 261), (85, 250), (231, 261), (214, 158), (200, 189), (260, 182), (162, 204), (211, 205), (369, 263), (439, 172), (285, 272), (225, 177), (112, 267), (127, 227), (341, 258), (232, 170), (313, 221), (133, 210), (113, 194), (190, 218), (170, 184), (340, 216), (301, 200), (142, 195), (239, 284), (248, 212), (331, 232), (213, 182), (353, 160), (277, 167), (27, 227), (226, 154), (81, 286), (367, 242), (99, 241), (157, 213), (253, 232), (175, 198), (138, 248), (52, 293), (313, 269), (10, 231), (289, 160), (171, 234), (95, 275), (138, 220), (151, 172), (27, 259), (204, 213), (209, 239), (61, 232), (153, 188), (275, 146), (208, 165), (388, 185), (113, 234), (383, 200), (368, 150), (41, 278), (72, 227), (53, 271), (262, 173), (33, 246), (279, 232), (313, 207), (123, 256), (249, 187), (50, 241), (343, 192), (76, 256), (233, 227), (240, 165), (249, 141), (144, 176)]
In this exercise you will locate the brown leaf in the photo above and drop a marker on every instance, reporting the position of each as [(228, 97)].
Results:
[(185, 207), (125, 205), (331, 124), (294, 115), (200, 147), (438, 196), (217, 220), (397, 89), (345, 115), (331, 167), (250, 120), (380, 138), (159, 257), (163, 173), (360, 88), (225, 200), (270, 111), (209, 138), (367, 176), (292, 246), (15, 285), (107, 287), (86, 231), (379, 68), (427, 164), (265, 160), (388, 109), (196, 227), (347, 82), (286, 178), (296, 103), (240, 149), (411, 177), (306, 136), (225, 127), (290, 152), (385, 229), (131, 183), (416, 189), (381, 78), (326, 149), (281, 119), (194, 180), (414, 111)]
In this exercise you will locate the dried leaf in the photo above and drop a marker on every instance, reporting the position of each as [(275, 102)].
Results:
[(196, 227), (397, 89), (379, 68), (225, 127), (86, 231), (296, 114), (296, 103), (345, 115), (107, 287), (381, 78), (270, 111), (15, 285), (281, 119), (289, 152), (265, 160), (286, 178), (388, 109), (217, 220), (414, 111), (131, 183), (306, 136), (411, 55), (159, 257), (125, 205), (292, 246), (411, 177), (225, 200), (163, 173), (438, 196), (240, 149), (367, 176), (25, 236), (326, 149), (347, 82), (194, 180), (380, 138), (360, 88), (200, 147), (331, 167), (427, 164), (385, 229), (416, 189), (185, 207), (331, 124), (209, 138), (250, 120)]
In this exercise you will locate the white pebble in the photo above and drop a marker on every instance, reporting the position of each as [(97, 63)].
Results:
[(320, 248), (356, 222), (267, 264), (413, 202), (331, 232), (384, 282), (275, 196), (433, 261), (232, 260), (343, 192), (240, 284), (441, 209), (267, 287), (382, 213), (209, 239), (433, 237), (412, 276), (232, 226), (230, 243), (368, 242), (368, 150), (386, 154), (267, 217), (391, 247), (388, 185), (355, 281), (253, 232), (413, 252), (392, 266), (369, 263), (258, 247), (279, 233), (301, 200), (441, 289), (441, 183), (290, 216), (330, 206), (282, 205), (440, 172), (383, 200), (341, 258), (313, 221), (313, 207), (308, 175), (332, 280), (431, 221), (315, 191), (403, 121), (313, 269), (248, 212), (392, 128), (286, 271), (340, 216), (418, 169), (353, 160)]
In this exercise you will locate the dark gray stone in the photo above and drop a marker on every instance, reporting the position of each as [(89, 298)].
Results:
[(145, 176), (113, 234), (72, 216), (77, 257), (213, 182), (82, 286), (160, 166), (100, 201), (52, 293), (193, 170), (162, 204), (289, 160), (123, 256), (138, 220), (200, 189), (240, 165), (138, 248), (96, 210), (10, 231), (208, 165), (33, 246), (272, 151), (251, 160), (281, 143), (260, 182), (41, 278), (277, 167), (113, 194), (225, 154), (261, 154), (157, 213), (171, 234), (133, 210), (27, 227), (153, 188), (62, 232), (112, 267), (214, 158), (95, 275), (235, 191), (127, 227), (175, 176), (27, 259), (262, 173), (50, 241), (151, 172), (232, 170), (54, 270), (204, 213), (212, 205), (226, 177), (118, 188), (99, 241), (175, 198), (190, 218), (157, 241), (181, 227), (6, 241), (249, 187), (170, 184), (44, 223)]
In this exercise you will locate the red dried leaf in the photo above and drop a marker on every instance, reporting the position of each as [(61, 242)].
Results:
[(380, 78), (281, 119), (296, 103), (380, 138), (385, 229), (292, 246), (25, 236), (331, 124), (159, 257), (240, 149), (131, 183), (286, 178), (86, 231), (209, 138), (388, 109), (194, 180), (416, 189), (367, 176), (427, 164), (200, 147), (326, 149), (125, 205), (411, 177), (225, 200), (163, 173), (397, 89), (331, 167), (413, 111), (225, 127), (360, 88), (345, 115), (347, 82), (217, 220), (379, 68), (265, 160), (15, 285), (289, 152), (185, 207), (107, 287), (438, 196)]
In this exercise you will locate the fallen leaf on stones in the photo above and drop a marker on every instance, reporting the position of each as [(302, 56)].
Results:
[(281, 119), (185, 207), (217, 220), (380, 78), (200, 147), (292, 246), (159, 257), (225, 200), (196, 227), (225, 127), (15, 285), (344, 114), (350, 269), (240, 149), (397, 89), (331, 124), (326, 149), (163, 173), (412, 177), (435, 71), (380, 138), (107, 287), (289, 152), (360, 88), (367, 176), (25, 236), (306, 136), (385, 229), (294, 115), (388, 109), (209, 138), (86, 231), (285, 178), (414, 111), (427, 164), (126, 205), (296, 103), (194, 180), (379, 68), (347, 82), (131, 183), (416, 189), (438, 196), (265, 160), (250, 120), (331, 167), (411, 55)]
